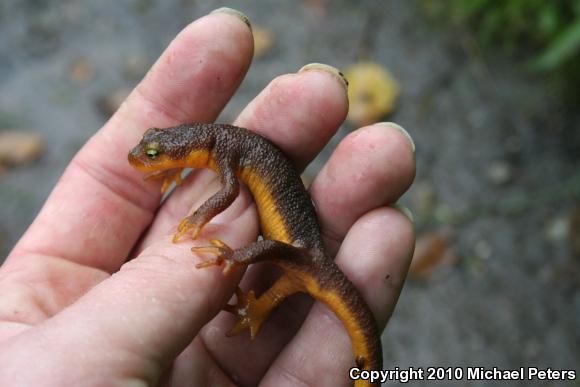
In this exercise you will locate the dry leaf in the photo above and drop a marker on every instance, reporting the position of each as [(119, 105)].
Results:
[(263, 40), (372, 92), (431, 251), (17, 147), (81, 71)]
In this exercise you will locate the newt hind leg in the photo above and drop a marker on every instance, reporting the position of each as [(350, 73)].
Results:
[(304, 271), (252, 311)]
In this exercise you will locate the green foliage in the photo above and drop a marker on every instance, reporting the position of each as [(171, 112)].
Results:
[(546, 32), (563, 48)]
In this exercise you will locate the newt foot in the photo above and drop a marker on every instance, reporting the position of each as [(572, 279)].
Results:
[(223, 253), (188, 223), (249, 312), (171, 177)]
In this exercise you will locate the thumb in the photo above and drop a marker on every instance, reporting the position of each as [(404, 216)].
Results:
[(131, 326)]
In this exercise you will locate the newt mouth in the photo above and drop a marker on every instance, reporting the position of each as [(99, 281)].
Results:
[(155, 175)]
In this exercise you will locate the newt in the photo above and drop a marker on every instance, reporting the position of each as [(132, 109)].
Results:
[(288, 223)]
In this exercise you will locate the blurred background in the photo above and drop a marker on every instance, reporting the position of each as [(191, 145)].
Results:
[(488, 90)]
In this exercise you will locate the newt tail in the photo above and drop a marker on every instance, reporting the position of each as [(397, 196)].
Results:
[(291, 235)]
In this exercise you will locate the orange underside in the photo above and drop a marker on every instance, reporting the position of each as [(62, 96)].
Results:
[(274, 228)]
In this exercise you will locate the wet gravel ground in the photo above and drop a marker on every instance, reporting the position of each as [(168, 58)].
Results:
[(512, 297)]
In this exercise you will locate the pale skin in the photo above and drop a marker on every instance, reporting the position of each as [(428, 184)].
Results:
[(73, 312)]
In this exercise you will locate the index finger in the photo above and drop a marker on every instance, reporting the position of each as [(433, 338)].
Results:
[(100, 207)]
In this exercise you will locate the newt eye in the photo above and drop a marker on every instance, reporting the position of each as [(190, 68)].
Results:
[(152, 153)]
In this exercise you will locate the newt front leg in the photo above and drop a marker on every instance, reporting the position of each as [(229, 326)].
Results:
[(169, 176), (213, 206)]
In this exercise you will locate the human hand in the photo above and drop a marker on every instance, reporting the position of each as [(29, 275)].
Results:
[(73, 312)]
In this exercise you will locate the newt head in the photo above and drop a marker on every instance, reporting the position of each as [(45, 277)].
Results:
[(152, 152), (163, 151)]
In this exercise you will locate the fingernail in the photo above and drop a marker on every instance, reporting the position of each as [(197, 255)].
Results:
[(329, 69), (404, 210), (400, 129), (234, 12)]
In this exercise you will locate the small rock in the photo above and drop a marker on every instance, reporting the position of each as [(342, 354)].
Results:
[(263, 40), (18, 147), (108, 104), (81, 71), (482, 249), (499, 172), (135, 67), (557, 230)]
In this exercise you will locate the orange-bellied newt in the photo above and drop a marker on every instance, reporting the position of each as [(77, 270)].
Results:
[(291, 235)]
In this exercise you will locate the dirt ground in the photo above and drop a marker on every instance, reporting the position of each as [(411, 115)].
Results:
[(497, 154)]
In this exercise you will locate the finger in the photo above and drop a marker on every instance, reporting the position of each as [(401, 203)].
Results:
[(375, 255), (100, 206), (373, 153), (379, 161), (288, 112), (129, 327), (196, 367), (299, 112)]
